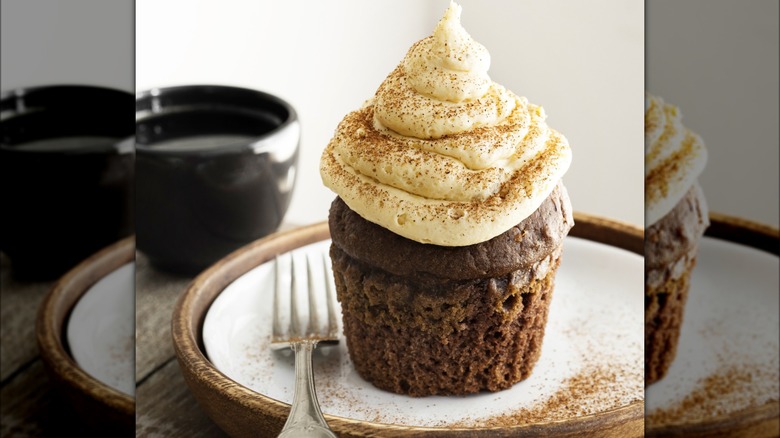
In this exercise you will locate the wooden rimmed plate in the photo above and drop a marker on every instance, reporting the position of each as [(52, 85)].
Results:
[(85, 333), (724, 380), (594, 310)]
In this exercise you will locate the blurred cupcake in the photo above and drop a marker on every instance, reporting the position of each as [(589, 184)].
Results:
[(675, 219), (449, 223)]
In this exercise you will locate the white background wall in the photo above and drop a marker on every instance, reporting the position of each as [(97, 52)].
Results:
[(582, 61), (67, 42), (718, 61)]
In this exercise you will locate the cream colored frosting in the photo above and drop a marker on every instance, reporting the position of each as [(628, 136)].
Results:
[(674, 158), (442, 154)]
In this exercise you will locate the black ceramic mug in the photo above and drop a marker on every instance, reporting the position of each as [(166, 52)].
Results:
[(215, 170), (66, 173)]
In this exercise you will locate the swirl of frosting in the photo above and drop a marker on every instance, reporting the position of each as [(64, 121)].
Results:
[(442, 154), (442, 86), (674, 158), (449, 65)]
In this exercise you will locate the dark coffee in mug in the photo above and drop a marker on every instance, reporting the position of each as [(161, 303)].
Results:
[(216, 168), (66, 168)]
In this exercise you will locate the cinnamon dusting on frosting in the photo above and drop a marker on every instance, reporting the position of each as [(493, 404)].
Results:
[(442, 154), (674, 158)]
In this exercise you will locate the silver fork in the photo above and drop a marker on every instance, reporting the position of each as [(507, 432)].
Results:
[(305, 418)]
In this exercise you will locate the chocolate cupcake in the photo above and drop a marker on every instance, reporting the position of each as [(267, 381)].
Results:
[(675, 219), (449, 223)]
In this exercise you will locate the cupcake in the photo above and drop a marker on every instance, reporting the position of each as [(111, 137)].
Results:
[(448, 224), (675, 219)]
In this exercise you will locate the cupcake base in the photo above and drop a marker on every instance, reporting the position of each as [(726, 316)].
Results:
[(467, 337), (671, 245), (424, 319), (664, 308)]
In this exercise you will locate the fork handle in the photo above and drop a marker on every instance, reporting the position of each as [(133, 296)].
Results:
[(305, 418)]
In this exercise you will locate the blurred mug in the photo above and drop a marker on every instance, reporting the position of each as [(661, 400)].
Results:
[(216, 169), (66, 172)]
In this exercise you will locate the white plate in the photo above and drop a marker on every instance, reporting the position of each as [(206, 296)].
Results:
[(728, 354), (592, 351), (101, 330)]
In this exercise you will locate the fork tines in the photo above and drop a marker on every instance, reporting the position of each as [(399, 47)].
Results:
[(296, 329)]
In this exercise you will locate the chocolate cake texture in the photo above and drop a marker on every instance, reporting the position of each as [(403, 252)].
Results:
[(671, 246), (423, 319)]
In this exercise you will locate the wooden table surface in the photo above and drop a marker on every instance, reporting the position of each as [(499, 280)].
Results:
[(30, 407), (164, 404)]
